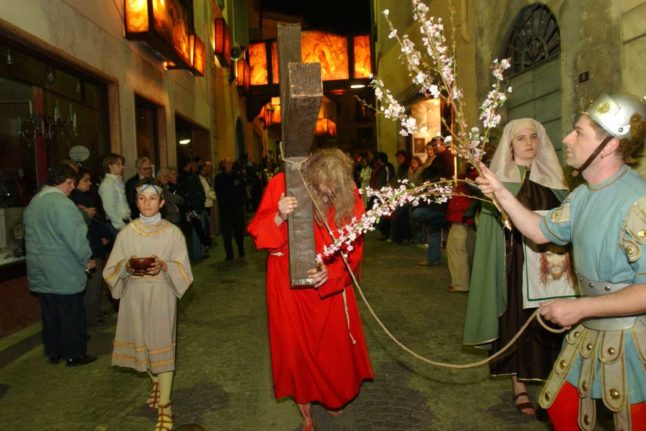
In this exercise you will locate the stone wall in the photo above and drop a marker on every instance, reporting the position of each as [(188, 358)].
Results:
[(605, 38)]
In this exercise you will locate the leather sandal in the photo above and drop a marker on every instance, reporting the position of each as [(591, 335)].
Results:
[(523, 407), (164, 418), (153, 399)]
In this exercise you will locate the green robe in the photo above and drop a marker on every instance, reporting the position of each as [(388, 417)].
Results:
[(488, 288)]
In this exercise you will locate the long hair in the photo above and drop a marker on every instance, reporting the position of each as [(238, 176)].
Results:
[(332, 169)]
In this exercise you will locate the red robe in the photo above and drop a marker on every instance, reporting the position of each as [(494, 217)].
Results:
[(312, 355)]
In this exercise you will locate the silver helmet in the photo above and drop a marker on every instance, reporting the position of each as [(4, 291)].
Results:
[(613, 112)]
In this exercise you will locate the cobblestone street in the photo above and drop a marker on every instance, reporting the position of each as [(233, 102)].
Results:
[(223, 379)]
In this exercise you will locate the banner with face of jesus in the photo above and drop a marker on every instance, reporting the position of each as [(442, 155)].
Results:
[(547, 274)]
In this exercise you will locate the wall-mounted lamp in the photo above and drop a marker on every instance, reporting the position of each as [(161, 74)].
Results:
[(222, 41), (162, 25), (198, 55)]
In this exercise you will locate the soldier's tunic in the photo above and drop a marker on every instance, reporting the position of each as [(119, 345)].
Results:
[(603, 358)]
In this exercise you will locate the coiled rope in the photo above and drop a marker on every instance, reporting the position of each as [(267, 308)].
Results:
[(535, 316)]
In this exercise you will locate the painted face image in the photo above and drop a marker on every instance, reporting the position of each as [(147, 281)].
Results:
[(556, 264), (149, 202), (554, 267), (84, 183), (525, 145)]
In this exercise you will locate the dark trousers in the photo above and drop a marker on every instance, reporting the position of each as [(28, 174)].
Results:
[(63, 325), (384, 223), (400, 225), (93, 291), (232, 223)]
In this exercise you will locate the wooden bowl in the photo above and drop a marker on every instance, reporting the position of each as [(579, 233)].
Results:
[(140, 265)]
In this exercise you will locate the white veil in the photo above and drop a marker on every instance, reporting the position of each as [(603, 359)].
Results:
[(546, 169)]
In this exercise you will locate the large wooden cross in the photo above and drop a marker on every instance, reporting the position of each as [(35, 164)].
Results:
[(301, 92)]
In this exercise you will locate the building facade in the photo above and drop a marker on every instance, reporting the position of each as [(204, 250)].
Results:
[(566, 51), (72, 86)]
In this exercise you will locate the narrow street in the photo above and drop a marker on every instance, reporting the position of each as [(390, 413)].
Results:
[(223, 379)]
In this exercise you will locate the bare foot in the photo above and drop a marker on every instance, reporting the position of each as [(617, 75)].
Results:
[(308, 425), (335, 413), (306, 413)]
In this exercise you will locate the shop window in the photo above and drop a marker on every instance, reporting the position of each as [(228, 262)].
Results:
[(192, 140), (49, 112)]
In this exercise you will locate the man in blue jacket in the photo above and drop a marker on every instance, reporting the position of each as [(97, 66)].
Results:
[(58, 256)]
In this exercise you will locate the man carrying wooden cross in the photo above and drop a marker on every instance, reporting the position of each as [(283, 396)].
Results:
[(318, 350)]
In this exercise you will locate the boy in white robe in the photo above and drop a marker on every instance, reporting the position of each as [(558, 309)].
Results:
[(145, 335)]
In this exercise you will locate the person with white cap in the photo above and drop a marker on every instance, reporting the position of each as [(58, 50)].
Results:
[(604, 354)]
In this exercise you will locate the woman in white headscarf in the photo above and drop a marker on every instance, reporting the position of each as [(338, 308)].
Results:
[(526, 162)]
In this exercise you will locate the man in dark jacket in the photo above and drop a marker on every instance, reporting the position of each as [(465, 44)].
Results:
[(98, 235), (190, 188), (434, 215), (230, 190), (144, 170)]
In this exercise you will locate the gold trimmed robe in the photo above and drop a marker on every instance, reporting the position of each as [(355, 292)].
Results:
[(145, 335)]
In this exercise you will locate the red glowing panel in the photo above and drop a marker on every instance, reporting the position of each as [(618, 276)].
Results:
[(198, 55), (136, 16), (219, 31), (362, 58), (275, 73), (275, 115), (258, 63), (227, 45), (170, 20), (328, 49), (325, 127), (240, 73), (247, 76)]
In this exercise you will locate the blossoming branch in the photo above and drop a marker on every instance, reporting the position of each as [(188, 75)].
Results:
[(387, 200), (432, 67)]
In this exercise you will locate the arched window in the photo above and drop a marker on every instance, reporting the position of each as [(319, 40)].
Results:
[(534, 38)]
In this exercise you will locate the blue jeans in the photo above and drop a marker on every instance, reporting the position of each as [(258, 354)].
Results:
[(434, 219)]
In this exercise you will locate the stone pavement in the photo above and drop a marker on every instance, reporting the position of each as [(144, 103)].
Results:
[(223, 379)]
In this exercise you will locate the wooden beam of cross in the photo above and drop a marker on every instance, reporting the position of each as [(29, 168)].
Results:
[(301, 92)]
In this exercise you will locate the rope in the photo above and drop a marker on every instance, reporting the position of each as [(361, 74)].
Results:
[(535, 316)]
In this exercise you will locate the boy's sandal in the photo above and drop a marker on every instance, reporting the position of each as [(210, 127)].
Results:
[(164, 418), (153, 399)]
